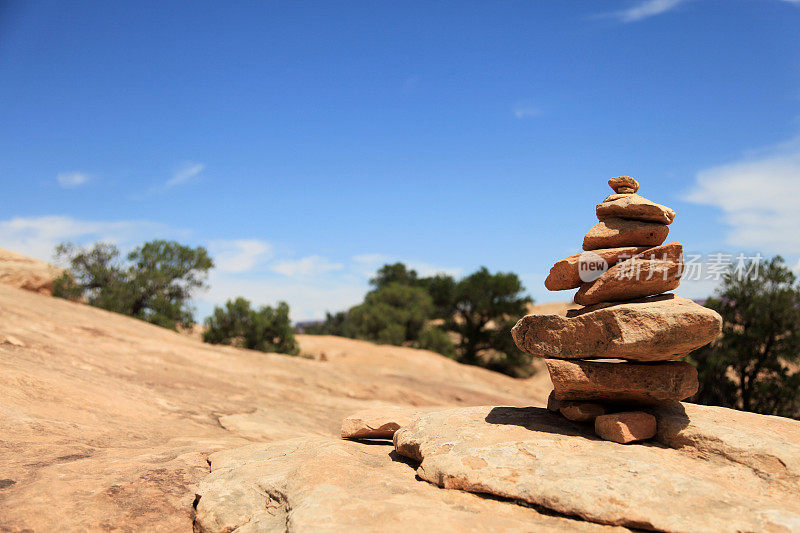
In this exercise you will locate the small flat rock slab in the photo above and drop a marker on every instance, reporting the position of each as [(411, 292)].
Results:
[(324, 484), (659, 328), (566, 273), (617, 232), (378, 423), (627, 427), (654, 271), (623, 383), (537, 457), (581, 411), (635, 207)]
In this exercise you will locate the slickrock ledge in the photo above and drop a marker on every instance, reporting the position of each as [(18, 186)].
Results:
[(627, 383), (537, 457), (323, 484), (659, 328)]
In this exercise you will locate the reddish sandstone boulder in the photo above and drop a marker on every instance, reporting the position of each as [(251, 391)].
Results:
[(636, 383), (659, 328)]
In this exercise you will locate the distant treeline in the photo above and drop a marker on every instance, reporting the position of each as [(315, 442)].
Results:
[(467, 319), (754, 365)]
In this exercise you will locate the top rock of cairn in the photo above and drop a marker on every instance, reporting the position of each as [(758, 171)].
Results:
[(621, 276), (624, 185)]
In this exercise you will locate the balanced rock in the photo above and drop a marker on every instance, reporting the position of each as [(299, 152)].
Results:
[(652, 272), (377, 423), (623, 184), (625, 427), (566, 274), (581, 411), (617, 232), (634, 207), (659, 328), (636, 383)]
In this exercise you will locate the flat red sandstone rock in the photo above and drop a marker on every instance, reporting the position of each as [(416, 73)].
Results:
[(378, 423), (654, 271), (635, 383), (565, 274), (634, 207), (659, 328), (631, 426), (616, 232)]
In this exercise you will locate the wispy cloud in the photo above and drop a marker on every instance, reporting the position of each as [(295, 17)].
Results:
[(526, 111), (368, 264), (184, 174), (239, 255), (312, 265), (311, 284), (38, 236), (645, 9), (758, 196), (70, 180)]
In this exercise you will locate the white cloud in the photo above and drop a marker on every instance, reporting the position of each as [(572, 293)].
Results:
[(184, 174), (239, 255), (312, 265), (526, 111), (646, 9), (368, 264), (308, 298), (70, 180), (758, 196), (38, 236)]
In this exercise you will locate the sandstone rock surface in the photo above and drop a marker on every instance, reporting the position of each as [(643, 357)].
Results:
[(378, 423), (107, 421), (658, 328), (652, 272), (627, 427), (628, 383), (320, 484), (565, 274), (536, 457), (618, 232), (770, 445), (635, 207), (27, 273)]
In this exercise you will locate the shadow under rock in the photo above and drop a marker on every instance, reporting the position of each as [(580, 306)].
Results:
[(539, 419), (397, 458)]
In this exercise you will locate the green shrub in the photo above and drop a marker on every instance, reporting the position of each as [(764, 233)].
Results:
[(155, 282), (265, 329), (753, 365)]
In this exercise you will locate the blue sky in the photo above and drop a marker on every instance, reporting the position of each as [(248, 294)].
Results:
[(306, 143)]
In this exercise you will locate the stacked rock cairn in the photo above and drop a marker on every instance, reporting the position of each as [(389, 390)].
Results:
[(617, 356)]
